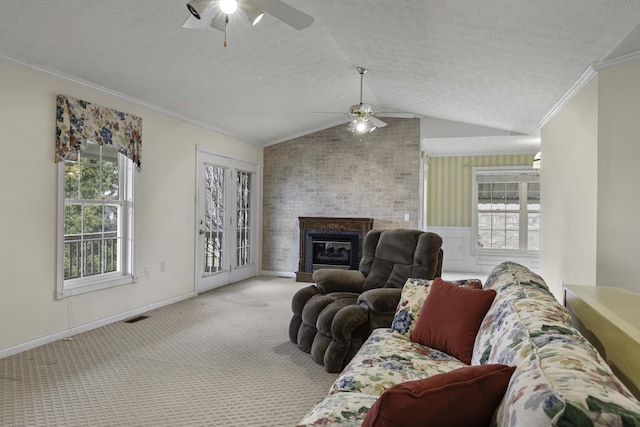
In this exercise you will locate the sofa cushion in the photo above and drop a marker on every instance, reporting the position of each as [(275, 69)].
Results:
[(388, 358), (414, 293), (464, 397), (566, 383), (522, 298), (343, 409), (450, 318)]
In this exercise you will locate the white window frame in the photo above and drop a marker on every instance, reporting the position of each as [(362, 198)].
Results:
[(527, 174), (126, 271)]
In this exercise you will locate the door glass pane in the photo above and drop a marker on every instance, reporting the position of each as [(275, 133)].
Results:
[(243, 219), (214, 219)]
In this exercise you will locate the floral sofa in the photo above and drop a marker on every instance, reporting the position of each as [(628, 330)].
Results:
[(557, 378)]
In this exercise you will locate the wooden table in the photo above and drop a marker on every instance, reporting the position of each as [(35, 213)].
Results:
[(610, 319)]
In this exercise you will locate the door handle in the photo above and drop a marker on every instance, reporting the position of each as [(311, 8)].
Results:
[(200, 232)]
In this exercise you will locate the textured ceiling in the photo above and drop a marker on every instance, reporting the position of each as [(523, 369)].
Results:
[(496, 63)]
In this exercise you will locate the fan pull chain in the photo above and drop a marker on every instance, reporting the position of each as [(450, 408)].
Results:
[(226, 22)]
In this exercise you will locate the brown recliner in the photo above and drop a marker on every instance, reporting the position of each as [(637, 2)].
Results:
[(332, 319)]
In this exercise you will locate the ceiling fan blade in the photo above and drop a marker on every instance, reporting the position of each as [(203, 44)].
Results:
[(399, 115), (287, 14), (377, 122)]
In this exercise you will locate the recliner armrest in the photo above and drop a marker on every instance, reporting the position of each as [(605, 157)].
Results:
[(383, 300), (301, 297), (336, 280)]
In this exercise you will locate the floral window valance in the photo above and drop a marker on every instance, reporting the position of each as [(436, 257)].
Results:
[(78, 121)]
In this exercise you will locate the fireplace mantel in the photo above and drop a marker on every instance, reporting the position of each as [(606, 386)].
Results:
[(327, 224)]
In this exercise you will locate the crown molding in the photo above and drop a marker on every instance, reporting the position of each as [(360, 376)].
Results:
[(630, 58), (585, 78), (582, 81)]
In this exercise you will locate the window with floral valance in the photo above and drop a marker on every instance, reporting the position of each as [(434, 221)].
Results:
[(78, 121), (97, 151)]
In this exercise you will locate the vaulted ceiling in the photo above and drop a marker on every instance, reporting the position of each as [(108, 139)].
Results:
[(499, 64)]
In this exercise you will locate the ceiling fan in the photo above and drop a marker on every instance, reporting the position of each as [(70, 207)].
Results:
[(216, 13), (361, 116)]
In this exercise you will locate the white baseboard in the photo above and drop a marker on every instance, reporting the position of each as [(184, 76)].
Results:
[(10, 351), (277, 273)]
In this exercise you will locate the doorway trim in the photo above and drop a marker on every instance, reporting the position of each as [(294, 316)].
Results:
[(200, 152)]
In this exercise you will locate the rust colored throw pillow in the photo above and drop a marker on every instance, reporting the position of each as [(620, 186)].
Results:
[(465, 397), (450, 318)]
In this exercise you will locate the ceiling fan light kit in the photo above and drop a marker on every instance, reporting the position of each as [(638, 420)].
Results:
[(197, 7), (254, 14), (361, 126), (228, 6)]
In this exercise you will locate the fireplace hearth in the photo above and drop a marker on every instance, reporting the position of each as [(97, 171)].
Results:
[(329, 242)]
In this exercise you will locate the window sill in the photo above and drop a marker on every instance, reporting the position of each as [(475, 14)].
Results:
[(85, 286), (497, 253)]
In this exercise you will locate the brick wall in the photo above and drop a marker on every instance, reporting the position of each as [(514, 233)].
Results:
[(335, 173)]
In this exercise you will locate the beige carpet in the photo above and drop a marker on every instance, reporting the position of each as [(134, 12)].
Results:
[(220, 359)]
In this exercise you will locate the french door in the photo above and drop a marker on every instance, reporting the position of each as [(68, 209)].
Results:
[(226, 218)]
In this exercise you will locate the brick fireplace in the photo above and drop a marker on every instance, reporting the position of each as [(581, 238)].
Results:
[(329, 242)]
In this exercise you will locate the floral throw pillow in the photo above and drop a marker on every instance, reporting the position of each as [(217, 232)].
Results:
[(414, 293)]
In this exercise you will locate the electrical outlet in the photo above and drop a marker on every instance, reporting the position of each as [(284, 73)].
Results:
[(147, 271), (406, 217), (162, 266)]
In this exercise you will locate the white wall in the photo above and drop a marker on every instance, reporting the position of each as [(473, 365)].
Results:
[(590, 151), (29, 314), (619, 178), (568, 193)]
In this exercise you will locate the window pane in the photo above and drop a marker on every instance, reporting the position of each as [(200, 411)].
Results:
[(533, 242), (533, 196), (512, 239), (484, 238), (512, 191), (71, 175), (512, 221), (498, 239), (92, 219), (534, 221), (110, 179), (110, 218), (533, 191), (498, 220), (89, 179), (497, 197), (533, 232), (72, 219), (484, 220)]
